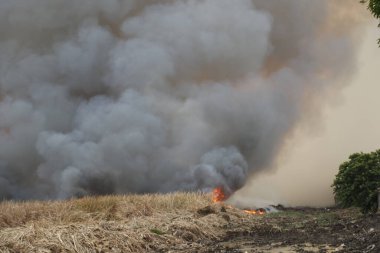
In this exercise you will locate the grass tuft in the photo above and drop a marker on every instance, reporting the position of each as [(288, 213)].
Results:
[(157, 231)]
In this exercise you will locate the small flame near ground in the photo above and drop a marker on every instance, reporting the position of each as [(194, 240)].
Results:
[(255, 212), (218, 196)]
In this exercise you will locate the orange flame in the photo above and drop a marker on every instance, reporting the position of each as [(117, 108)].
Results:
[(218, 195), (255, 212)]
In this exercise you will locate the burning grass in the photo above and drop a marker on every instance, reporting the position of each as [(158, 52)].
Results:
[(178, 222)]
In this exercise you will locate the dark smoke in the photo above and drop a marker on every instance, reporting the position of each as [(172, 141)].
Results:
[(116, 96)]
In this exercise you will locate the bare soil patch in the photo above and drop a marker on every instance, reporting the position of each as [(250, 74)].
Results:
[(307, 230)]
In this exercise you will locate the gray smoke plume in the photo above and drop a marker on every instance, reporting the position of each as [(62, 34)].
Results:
[(119, 96)]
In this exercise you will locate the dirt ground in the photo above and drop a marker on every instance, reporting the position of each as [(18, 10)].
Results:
[(304, 230)]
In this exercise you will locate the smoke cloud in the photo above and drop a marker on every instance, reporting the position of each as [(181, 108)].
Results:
[(100, 97), (306, 166)]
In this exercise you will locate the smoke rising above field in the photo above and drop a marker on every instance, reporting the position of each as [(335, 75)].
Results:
[(101, 97)]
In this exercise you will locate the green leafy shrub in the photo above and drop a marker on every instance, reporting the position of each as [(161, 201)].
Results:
[(374, 7), (358, 180)]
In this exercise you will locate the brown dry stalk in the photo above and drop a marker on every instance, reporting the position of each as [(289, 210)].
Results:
[(130, 223)]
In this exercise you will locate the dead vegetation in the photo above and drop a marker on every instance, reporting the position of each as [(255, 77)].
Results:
[(178, 222), (101, 224)]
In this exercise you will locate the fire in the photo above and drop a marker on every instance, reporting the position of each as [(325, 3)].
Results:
[(255, 212), (218, 195)]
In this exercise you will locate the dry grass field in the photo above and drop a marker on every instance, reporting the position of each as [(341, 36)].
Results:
[(178, 222), (101, 224)]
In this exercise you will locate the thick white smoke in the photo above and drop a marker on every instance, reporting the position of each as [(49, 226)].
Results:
[(122, 96)]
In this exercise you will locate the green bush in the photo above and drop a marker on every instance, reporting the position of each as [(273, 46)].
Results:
[(374, 7), (358, 180)]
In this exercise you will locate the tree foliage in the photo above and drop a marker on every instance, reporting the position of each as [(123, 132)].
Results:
[(374, 7), (358, 180)]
